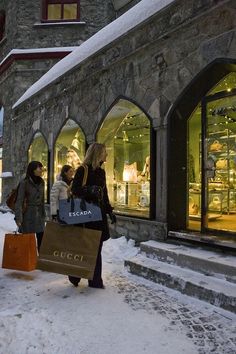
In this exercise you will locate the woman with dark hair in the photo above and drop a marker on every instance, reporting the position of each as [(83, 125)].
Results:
[(95, 156), (29, 206), (61, 189)]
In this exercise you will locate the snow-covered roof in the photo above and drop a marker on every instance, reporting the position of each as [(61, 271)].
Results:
[(123, 24), (38, 50)]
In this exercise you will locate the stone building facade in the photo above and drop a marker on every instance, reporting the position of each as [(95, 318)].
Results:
[(30, 45), (171, 67)]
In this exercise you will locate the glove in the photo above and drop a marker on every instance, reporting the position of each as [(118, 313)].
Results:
[(112, 217)]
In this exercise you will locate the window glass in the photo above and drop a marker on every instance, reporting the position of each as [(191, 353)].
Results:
[(54, 12), (69, 147), (194, 170), (226, 84), (70, 12), (220, 160), (38, 151), (126, 134)]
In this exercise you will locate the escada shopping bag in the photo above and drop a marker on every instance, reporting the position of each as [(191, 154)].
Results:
[(19, 252), (78, 211), (70, 250)]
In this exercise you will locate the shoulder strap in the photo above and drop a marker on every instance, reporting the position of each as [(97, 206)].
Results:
[(85, 174)]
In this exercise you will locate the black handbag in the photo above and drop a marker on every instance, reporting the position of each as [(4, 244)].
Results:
[(92, 193)]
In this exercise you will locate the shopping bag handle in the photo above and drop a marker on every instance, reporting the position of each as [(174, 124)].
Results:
[(72, 204)]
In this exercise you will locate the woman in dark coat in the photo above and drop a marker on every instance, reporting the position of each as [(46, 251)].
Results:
[(95, 156), (29, 206)]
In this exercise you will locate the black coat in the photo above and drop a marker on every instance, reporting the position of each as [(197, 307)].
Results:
[(95, 177)]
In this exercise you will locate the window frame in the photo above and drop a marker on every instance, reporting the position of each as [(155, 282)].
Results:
[(45, 4)]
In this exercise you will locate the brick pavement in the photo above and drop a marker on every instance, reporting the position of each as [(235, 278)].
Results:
[(211, 329)]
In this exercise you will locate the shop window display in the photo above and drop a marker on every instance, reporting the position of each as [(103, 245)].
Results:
[(69, 147), (219, 119), (38, 151), (126, 134)]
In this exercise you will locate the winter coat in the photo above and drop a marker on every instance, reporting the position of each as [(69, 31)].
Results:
[(60, 190), (33, 218), (95, 177)]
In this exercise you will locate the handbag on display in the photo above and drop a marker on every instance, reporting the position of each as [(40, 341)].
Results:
[(215, 204), (130, 173), (20, 252), (216, 146), (193, 207), (222, 164), (69, 249)]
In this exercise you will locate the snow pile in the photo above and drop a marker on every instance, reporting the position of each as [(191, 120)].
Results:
[(123, 24)]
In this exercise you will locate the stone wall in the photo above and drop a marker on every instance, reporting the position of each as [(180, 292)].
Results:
[(152, 65), (25, 29)]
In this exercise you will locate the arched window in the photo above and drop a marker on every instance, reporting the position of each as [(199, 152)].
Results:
[(38, 151), (60, 10), (215, 119), (69, 147), (126, 133), (2, 24)]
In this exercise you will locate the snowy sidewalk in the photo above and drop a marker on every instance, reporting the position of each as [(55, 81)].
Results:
[(42, 313)]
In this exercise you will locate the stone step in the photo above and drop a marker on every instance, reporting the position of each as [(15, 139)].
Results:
[(216, 291), (207, 262)]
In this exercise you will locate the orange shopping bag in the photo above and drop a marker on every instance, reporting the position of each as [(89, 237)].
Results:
[(19, 252)]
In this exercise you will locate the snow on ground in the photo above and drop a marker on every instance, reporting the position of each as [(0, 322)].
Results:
[(42, 313)]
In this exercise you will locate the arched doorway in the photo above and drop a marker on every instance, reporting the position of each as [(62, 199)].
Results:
[(126, 131), (202, 151), (69, 147), (38, 151)]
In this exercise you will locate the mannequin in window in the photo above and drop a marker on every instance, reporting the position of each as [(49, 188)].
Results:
[(73, 159), (145, 174)]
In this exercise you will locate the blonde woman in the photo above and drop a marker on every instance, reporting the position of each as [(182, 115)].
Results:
[(94, 158), (60, 189)]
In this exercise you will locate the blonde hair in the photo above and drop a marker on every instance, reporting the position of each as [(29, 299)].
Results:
[(93, 155)]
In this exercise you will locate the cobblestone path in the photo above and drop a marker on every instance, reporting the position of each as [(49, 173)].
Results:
[(211, 329)]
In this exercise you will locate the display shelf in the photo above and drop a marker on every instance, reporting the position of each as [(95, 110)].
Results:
[(222, 149)]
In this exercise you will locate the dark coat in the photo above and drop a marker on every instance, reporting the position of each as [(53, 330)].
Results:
[(33, 219), (95, 177)]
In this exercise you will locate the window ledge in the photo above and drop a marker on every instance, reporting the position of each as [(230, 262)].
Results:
[(62, 23)]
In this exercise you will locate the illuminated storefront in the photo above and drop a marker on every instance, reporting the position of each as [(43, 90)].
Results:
[(69, 147), (216, 118), (202, 172), (126, 132)]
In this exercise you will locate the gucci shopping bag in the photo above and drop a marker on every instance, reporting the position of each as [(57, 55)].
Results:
[(70, 250), (78, 211), (19, 252)]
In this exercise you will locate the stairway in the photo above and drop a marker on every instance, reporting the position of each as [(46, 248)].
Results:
[(206, 275)]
